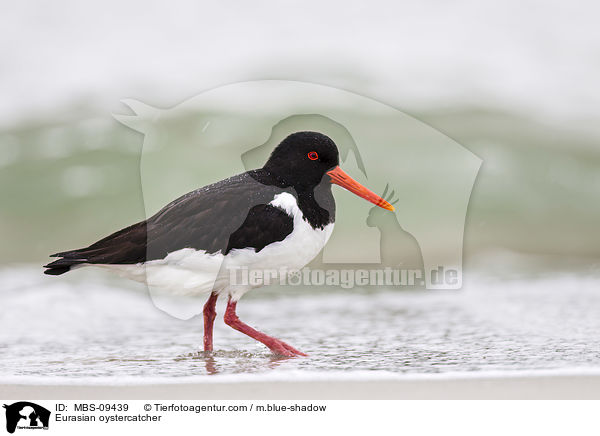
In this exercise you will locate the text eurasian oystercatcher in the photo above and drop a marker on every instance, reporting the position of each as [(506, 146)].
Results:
[(278, 216)]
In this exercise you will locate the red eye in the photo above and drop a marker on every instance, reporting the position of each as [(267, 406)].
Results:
[(313, 155)]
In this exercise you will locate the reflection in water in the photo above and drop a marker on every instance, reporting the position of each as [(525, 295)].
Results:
[(211, 367), (247, 362)]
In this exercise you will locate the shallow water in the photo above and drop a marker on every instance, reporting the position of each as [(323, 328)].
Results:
[(88, 328)]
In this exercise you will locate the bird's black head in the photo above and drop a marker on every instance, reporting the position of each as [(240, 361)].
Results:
[(303, 158)]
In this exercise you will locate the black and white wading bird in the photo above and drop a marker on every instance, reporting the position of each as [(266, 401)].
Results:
[(278, 216)]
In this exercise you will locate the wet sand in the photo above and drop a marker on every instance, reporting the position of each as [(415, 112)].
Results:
[(520, 387)]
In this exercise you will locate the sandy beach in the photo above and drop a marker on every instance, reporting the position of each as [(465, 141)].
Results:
[(519, 387)]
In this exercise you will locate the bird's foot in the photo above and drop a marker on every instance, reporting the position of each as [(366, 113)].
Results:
[(279, 347)]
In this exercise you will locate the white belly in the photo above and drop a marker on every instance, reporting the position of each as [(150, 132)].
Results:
[(194, 272)]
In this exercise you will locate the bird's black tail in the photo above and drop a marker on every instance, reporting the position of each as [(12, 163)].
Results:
[(127, 246), (63, 265)]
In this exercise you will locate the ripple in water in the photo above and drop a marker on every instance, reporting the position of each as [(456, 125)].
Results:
[(52, 330)]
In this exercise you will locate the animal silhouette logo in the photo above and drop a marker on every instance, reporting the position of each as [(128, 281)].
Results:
[(399, 249), (26, 415)]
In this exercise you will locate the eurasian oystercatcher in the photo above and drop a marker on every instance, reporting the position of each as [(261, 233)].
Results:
[(278, 216)]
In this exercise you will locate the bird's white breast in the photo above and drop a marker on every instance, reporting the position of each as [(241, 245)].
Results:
[(190, 272), (295, 251)]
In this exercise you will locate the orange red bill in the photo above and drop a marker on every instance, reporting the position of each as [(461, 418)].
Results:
[(339, 177)]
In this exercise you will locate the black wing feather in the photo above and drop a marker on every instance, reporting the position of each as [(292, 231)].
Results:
[(232, 213), (264, 225)]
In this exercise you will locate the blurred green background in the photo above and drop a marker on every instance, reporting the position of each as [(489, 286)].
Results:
[(66, 183), (515, 83)]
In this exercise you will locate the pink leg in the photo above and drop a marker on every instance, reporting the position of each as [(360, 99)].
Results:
[(275, 345), (209, 319)]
